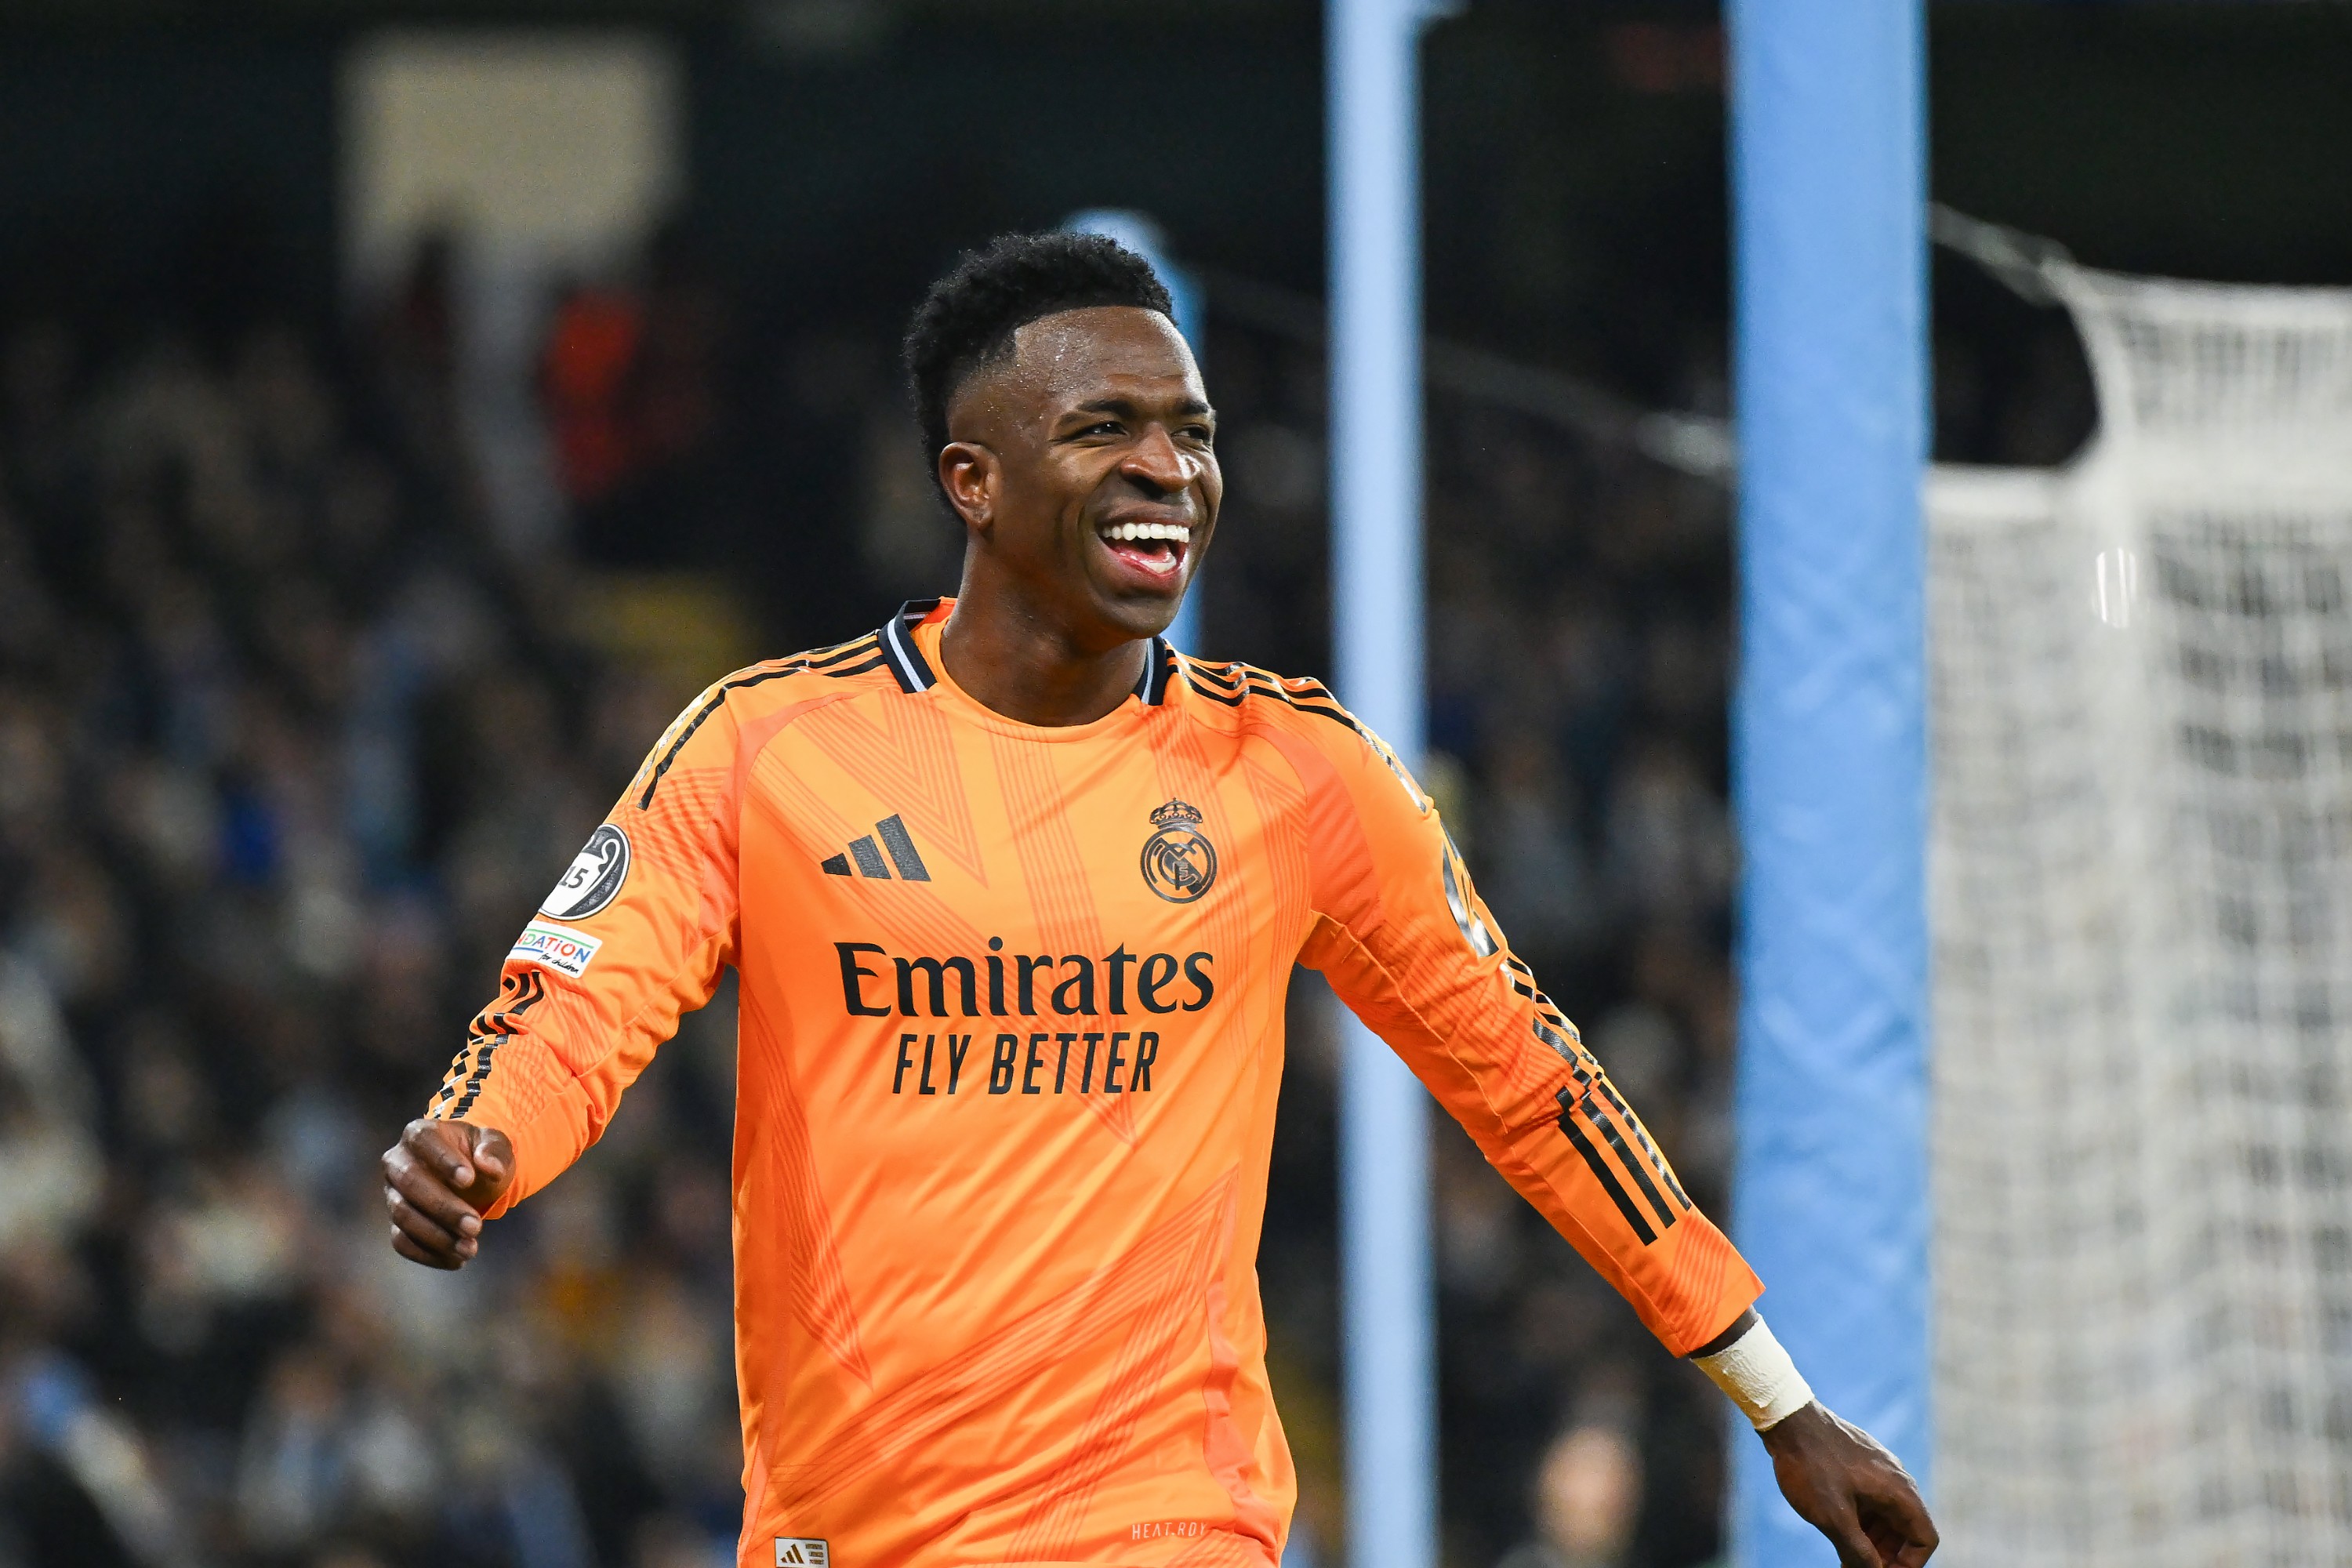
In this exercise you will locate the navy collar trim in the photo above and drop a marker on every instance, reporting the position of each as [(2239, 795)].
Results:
[(914, 672), (905, 660)]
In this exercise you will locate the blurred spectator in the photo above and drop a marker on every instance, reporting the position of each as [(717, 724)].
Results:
[(592, 349), (631, 383), (1541, 887), (49, 1157), (1667, 836), (1588, 1495)]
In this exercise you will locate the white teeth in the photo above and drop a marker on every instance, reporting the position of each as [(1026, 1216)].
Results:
[(1131, 532)]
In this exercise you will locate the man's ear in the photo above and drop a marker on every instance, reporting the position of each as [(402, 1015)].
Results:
[(968, 473)]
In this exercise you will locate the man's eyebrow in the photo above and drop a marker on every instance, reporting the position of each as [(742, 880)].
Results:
[(1191, 405)]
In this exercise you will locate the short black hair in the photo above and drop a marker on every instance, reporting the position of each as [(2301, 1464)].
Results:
[(969, 317)]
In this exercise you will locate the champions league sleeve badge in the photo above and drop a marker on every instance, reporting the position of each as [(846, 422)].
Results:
[(593, 878), (1179, 863)]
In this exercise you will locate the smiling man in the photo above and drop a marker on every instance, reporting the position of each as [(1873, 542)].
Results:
[(1015, 892)]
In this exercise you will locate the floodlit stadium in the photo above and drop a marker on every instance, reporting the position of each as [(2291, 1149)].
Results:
[(872, 784)]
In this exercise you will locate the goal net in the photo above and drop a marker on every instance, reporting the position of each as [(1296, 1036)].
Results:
[(2142, 900)]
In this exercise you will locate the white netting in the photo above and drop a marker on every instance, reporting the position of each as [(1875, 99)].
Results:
[(2143, 912)]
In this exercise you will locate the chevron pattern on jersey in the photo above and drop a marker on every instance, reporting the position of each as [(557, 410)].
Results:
[(1130, 1293)]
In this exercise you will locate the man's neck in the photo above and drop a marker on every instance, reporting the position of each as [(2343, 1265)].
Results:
[(1017, 662)]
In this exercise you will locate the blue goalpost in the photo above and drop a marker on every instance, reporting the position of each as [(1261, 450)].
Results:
[(1829, 746)]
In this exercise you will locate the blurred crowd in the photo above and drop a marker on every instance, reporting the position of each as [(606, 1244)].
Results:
[(297, 723), (289, 744)]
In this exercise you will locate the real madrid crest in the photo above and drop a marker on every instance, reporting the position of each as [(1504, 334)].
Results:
[(1179, 863)]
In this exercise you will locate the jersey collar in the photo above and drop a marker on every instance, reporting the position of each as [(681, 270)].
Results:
[(907, 661), (914, 672)]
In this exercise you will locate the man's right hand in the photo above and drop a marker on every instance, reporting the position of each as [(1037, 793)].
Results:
[(437, 1181)]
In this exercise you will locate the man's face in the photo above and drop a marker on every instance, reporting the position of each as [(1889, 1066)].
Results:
[(1083, 464)]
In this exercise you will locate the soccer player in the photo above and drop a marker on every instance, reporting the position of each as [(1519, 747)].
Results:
[(1014, 891)]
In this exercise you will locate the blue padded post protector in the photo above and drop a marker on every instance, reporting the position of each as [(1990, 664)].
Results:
[(1831, 1200)]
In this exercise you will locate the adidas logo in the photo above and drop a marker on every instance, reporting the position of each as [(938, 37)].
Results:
[(803, 1551), (892, 832)]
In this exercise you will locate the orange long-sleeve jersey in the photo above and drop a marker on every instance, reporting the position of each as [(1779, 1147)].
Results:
[(1011, 1032)]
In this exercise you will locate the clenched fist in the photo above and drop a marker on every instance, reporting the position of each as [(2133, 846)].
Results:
[(437, 1181), (1842, 1483)]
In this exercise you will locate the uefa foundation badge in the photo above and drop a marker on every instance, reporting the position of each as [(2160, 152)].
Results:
[(1179, 863)]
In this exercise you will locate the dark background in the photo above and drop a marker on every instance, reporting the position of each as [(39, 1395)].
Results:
[(158, 157)]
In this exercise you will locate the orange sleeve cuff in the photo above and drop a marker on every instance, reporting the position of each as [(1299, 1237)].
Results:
[(545, 1144)]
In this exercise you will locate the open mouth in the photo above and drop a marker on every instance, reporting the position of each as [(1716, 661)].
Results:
[(1155, 550)]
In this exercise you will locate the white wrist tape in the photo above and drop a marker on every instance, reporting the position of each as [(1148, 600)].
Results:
[(1759, 1376)]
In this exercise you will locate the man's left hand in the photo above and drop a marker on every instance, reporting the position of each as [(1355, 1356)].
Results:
[(1846, 1485)]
